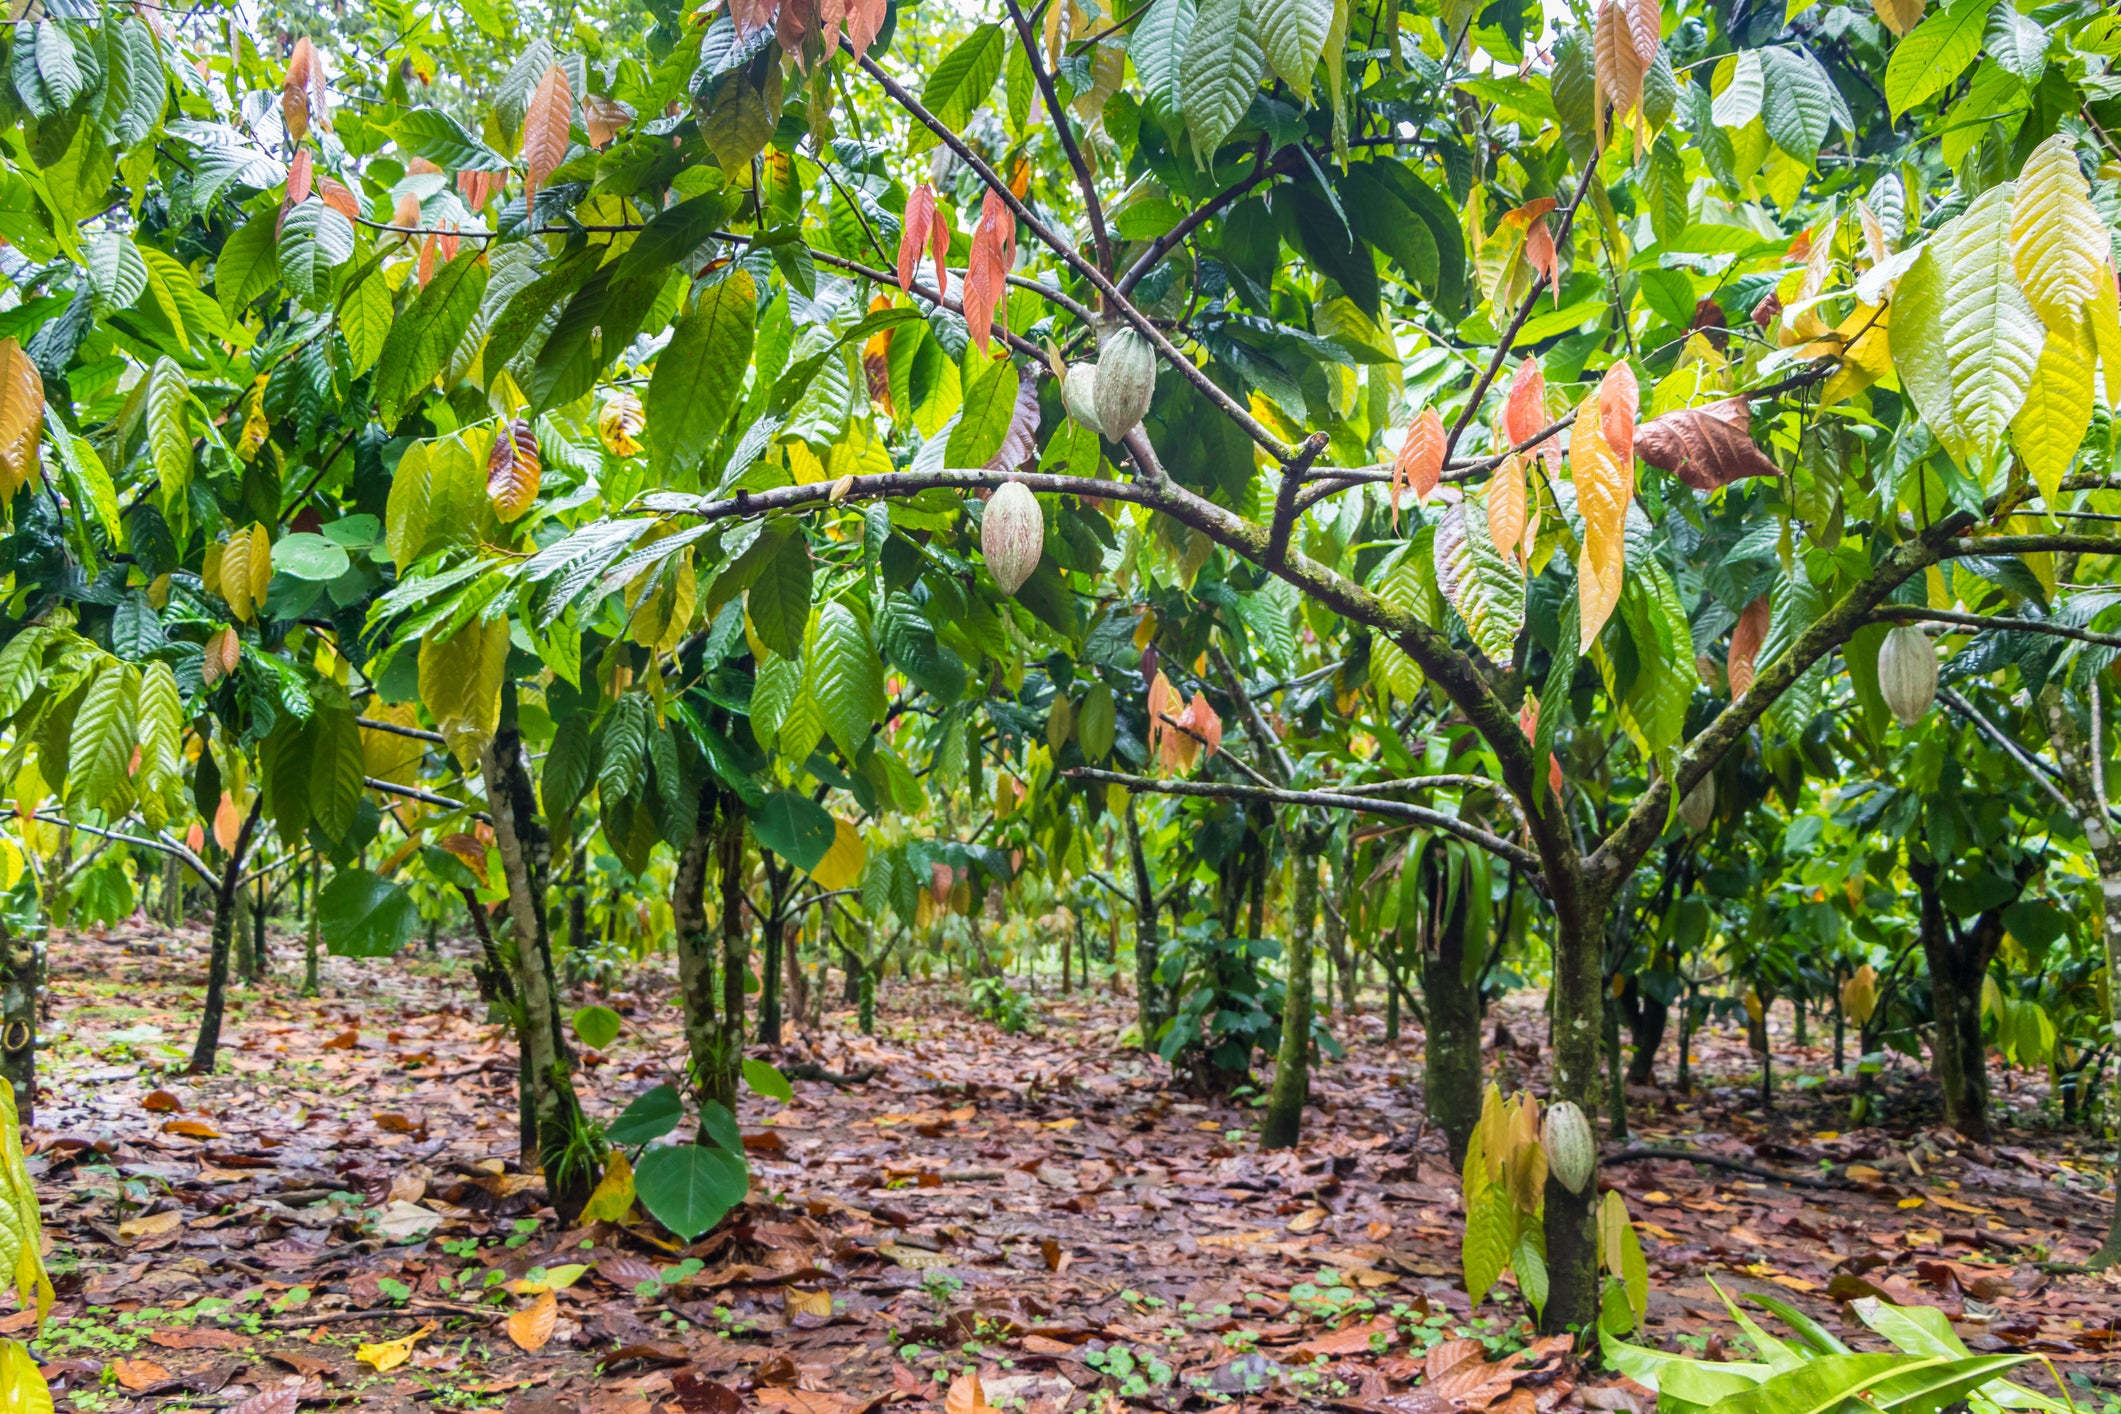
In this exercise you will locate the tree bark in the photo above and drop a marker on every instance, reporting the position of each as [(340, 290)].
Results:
[(564, 1149), (21, 984), (1647, 1018), (1292, 1068), (707, 1046), (1451, 1067), (225, 896), (1578, 1005), (1958, 961), (736, 950), (1148, 1002)]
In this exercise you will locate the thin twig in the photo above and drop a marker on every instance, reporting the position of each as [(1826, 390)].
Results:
[(1991, 623), (1083, 180), (416, 733)]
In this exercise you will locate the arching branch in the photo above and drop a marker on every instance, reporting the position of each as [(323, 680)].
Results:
[(1989, 623)]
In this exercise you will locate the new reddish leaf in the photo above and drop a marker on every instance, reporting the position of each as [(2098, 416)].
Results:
[(513, 471), (545, 124), (1419, 465)]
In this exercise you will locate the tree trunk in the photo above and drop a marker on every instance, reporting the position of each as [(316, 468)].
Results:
[(770, 969), (564, 1149), (311, 984), (1616, 1085), (225, 897), (242, 937), (1647, 1018), (1958, 960), (1292, 1062), (172, 894), (736, 951), (711, 1058), (259, 962), (1451, 1066), (1577, 1003), (1148, 1004), (21, 982), (1391, 969)]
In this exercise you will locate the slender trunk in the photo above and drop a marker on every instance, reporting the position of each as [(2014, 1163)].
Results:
[(1958, 960), (1391, 969), (311, 939), (241, 937), (770, 992), (564, 1149), (1451, 1068), (1577, 1003), (1840, 1027), (736, 952), (172, 894), (1685, 1079), (1148, 1004), (225, 897), (259, 961), (706, 1043), (1067, 937), (21, 983), (1292, 1062), (1801, 1031), (1647, 1018)]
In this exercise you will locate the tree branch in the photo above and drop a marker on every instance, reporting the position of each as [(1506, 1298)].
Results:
[(1263, 167), (1436, 819), (1292, 478), (170, 847), (1115, 302), (2039, 770), (416, 733), (1994, 623), (1524, 312), (1083, 179), (425, 797)]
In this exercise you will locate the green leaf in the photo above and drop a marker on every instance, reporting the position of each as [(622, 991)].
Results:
[(719, 1127), (365, 315), (1931, 58), (1920, 354), (1486, 589), (1220, 73), (169, 427), (908, 641), (768, 1081), (1095, 722), (699, 375), (116, 274), (688, 1188), (845, 678), (337, 768), (423, 338), (779, 599), (2017, 43), (622, 748), (306, 555), (1292, 34), (1801, 103), (442, 140), (597, 1026), (1486, 1247), (363, 915), (1157, 45), (990, 404), (961, 82), (1992, 337), (247, 262), (99, 756), (793, 826), (315, 240), (652, 1115)]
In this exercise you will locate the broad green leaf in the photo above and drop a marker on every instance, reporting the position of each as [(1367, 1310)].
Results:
[(365, 315), (363, 915), (1929, 60), (653, 1114), (105, 732), (169, 426), (1815, 1386), (1992, 337), (1220, 73), (688, 1188), (597, 1026), (1156, 43), (116, 274), (421, 340), (1292, 34), (844, 677), (779, 600), (247, 261), (1920, 353), (1744, 91), (793, 826), (1801, 102), (315, 240), (767, 1080), (307, 555), (2018, 43), (960, 83), (1486, 1245), (990, 405)]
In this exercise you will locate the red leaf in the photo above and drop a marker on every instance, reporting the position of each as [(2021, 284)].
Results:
[(1706, 447), (914, 231), (545, 124), (1419, 465), (300, 177), (1746, 638), (513, 471)]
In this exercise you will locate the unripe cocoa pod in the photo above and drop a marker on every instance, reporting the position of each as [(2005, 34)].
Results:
[(1126, 381), (1698, 806), (1079, 395), (1572, 1150), (1012, 535), (1907, 673)]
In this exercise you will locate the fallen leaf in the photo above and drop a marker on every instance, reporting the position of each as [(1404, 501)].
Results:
[(191, 1129), (555, 1279), (201, 1338), (138, 1375), (344, 1041), (389, 1354), (808, 1303), (532, 1326), (966, 1396), (1864, 1173), (1352, 1340), (161, 1102), (150, 1225), (279, 1400), (1307, 1220)]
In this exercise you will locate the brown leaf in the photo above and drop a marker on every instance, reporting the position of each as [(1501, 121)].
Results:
[(139, 1375), (545, 123), (1746, 638), (161, 1102), (1352, 1340), (513, 470), (294, 90), (966, 1396), (200, 1338), (1605, 485), (650, 1352), (532, 1326), (605, 118), (986, 273), (344, 1041), (1706, 447), (272, 1401), (191, 1129), (301, 177), (625, 1273), (914, 230), (696, 1394)]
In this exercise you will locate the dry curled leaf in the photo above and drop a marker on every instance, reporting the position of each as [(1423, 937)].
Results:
[(1706, 447), (605, 118)]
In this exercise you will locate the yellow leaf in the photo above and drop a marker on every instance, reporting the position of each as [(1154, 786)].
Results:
[(555, 1279), (613, 1198), (260, 563), (1911, 1202), (389, 1354), (460, 681), (21, 420), (2050, 428), (1865, 357), (1899, 16), (532, 1326), (1864, 1173), (152, 1225), (1794, 1283), (808, 1303), (22, 1386), (842, 864), (1603, 490), (235, 574), (2058, 242), (2104, 309)]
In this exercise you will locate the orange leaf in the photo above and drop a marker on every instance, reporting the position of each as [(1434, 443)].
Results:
[(1604, 487), (1618, 65), (966, 1396), (191, 1129), (300, 177), (426, 268), (1619, 400), (987, 272), (1506, 506), (339, 197), (405, 211), (227, 823), (1419, 465), (914, 230), (294, 90), (513, 471), (605, 118), (532, 1326), (1163, 702), (545, 124), (1645, 21), (1201, 717), (21, 417), (138, 1375), (1746, 638)]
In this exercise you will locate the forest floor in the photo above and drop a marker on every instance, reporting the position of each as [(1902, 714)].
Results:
[(1043, 1207)]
